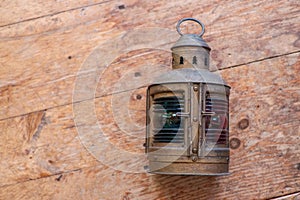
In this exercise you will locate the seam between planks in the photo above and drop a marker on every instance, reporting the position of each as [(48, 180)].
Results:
[(55, 13), (60, 175), (52, 175), (105, 95), (260, 60), (286, 195)]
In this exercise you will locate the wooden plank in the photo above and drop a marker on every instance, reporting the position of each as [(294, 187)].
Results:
[(40, 144), (104, 183), (295, 196), (13, 12), (265, 147), (40, 57)]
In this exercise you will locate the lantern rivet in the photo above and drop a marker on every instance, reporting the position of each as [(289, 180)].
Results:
[(194, 158), (195, 87), (194, 150)]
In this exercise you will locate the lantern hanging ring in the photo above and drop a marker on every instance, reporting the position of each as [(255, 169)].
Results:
[(190, 19)]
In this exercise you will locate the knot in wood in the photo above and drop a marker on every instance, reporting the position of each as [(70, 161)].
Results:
[(235, 143), (243, 124)]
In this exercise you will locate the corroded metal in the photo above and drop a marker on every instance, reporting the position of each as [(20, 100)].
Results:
[(187, 113)]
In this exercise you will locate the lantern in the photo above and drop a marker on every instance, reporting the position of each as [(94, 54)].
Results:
[(187, 113)]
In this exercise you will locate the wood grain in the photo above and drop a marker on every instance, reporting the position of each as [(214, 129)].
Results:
[(40, 144), (265, 165), (14, 12), (52, 147), (40, 57), (295, 196)]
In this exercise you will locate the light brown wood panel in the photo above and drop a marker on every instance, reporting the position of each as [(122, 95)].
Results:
[(40, 144), (264, 118), (40, 57), (295, 196), (13, 12)]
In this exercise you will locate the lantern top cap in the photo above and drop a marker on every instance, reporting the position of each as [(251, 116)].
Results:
[(188, 40)]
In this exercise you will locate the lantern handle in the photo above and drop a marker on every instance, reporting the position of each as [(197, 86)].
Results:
[(190, 19)]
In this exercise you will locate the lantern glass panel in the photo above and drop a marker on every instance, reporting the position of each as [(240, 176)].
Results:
[(216, 123), (167, 124)]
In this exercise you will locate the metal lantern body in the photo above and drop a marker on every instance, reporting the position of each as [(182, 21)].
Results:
[(187, 114)]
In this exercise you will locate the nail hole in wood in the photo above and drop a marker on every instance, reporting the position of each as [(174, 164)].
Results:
[(59, 178), (138, 96), (243, 124), (235, 143), (121, 7), (137, 74), (50, 161)]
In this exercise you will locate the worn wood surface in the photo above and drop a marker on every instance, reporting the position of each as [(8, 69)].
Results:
[(266, 164), (40, 57), (14, 12), (295, 196), (255, 45)]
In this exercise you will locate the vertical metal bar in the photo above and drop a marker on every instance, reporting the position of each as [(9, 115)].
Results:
[(147, 141), (195, 117), (200, 107), (201, 151), (187, 121)]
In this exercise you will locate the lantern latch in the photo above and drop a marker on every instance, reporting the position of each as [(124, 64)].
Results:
[(182, 114), (208, 113)]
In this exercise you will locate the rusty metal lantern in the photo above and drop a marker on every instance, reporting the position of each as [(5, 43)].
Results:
[(188, 113)]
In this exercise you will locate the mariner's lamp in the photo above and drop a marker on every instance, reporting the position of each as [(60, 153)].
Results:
[(187, 113)]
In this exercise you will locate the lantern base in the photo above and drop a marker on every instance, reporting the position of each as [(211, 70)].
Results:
[(181, 168)]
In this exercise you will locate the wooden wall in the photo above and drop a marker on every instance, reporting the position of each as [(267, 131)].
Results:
[(45, 46)]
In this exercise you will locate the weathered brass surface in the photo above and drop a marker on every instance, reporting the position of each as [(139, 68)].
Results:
[(187, 114)]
